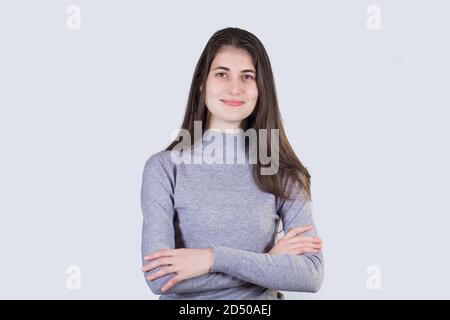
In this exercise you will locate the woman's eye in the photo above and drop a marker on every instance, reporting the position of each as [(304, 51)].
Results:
[(246, 76)]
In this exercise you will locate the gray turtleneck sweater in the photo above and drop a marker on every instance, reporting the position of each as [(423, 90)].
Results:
[(219, 206)]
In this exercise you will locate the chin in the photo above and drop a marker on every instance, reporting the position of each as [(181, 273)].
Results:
[(232, 119)]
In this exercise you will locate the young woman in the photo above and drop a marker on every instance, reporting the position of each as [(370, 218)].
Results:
[(209, 229)]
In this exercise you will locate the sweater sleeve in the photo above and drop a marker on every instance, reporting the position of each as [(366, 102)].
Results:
[(303, 272), (157, 192)]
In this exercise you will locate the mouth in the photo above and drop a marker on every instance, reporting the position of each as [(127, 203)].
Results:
[(232, 103)]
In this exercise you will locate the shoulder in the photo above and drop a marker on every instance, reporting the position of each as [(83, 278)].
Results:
[(294, 191), (160, 161)]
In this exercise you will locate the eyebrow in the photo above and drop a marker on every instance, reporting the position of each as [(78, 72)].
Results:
[(228, 69)]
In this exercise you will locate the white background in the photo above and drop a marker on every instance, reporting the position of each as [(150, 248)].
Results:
[(366, 111)]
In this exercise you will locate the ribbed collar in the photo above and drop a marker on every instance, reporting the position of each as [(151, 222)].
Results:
[(229, 146)]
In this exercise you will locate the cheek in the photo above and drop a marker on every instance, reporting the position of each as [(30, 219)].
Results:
[(252, 93), (214, 88), (210, 93)]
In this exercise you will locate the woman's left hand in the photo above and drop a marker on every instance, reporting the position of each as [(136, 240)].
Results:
[(186, 263)]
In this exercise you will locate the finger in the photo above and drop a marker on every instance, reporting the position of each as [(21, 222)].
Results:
[(307, 239), (156, 263), (301, 250), (161, 272), (159, 254), (307, 244), (296, 230), (171, 283), (303, 243)]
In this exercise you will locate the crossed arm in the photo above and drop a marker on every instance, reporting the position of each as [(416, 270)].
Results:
[(158, 230), (231, 267)]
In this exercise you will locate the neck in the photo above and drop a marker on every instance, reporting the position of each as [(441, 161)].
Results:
[(227, 130)]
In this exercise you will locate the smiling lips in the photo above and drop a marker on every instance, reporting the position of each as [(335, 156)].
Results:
[(232, 103)]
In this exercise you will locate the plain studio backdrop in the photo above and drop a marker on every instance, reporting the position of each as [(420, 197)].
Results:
[(363, 92)]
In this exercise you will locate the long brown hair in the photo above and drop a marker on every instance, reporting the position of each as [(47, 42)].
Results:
[(266, 114)]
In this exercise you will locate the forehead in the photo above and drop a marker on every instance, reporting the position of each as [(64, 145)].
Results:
[(233, 58)]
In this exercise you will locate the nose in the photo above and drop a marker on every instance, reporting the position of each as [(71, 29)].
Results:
[(234, 87)]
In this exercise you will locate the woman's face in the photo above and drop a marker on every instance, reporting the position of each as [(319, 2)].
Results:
[(231, 91)]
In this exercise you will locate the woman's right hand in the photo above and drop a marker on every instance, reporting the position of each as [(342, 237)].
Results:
[(292, 244)]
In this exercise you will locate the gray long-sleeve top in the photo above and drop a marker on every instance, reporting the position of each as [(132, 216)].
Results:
[(219, 206)]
